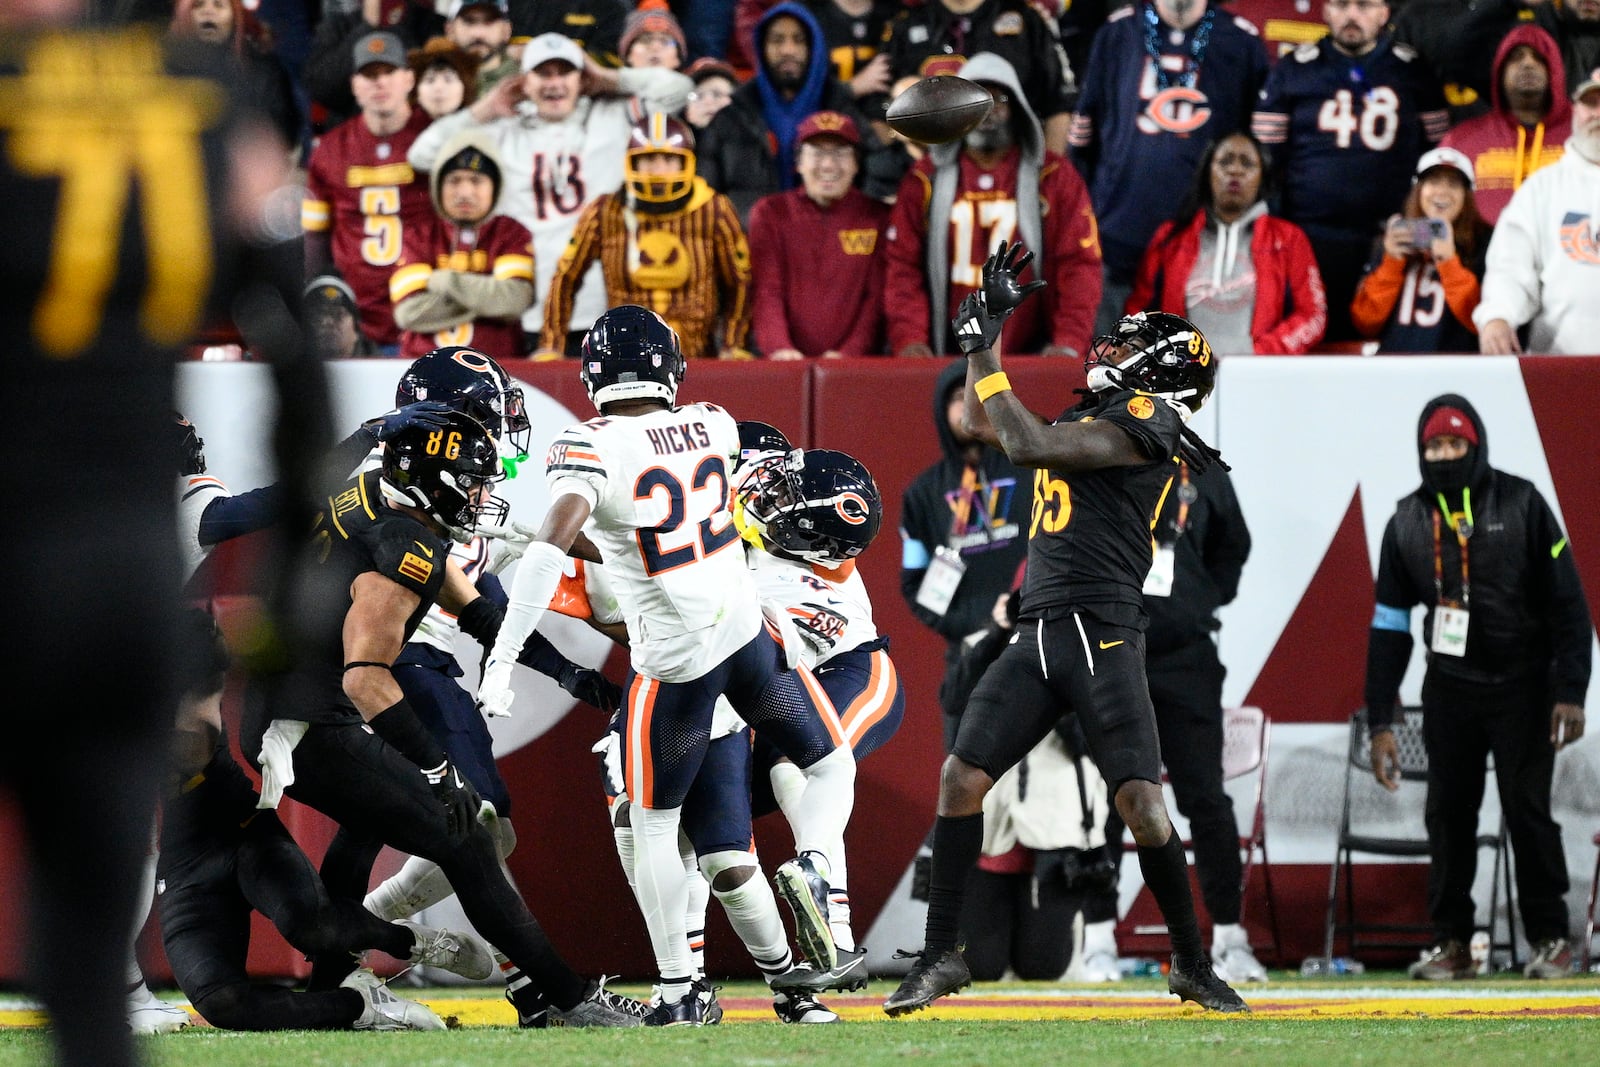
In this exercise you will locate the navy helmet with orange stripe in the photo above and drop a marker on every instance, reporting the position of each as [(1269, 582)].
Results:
[(819, 506), (473, 382), (666, 189)]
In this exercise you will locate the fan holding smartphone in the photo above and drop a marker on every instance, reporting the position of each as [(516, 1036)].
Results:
[(1420, 293)]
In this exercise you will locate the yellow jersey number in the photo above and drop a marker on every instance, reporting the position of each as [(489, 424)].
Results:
[(1052, 504)]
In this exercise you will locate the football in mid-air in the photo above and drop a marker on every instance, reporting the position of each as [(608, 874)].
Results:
[(939, 109)]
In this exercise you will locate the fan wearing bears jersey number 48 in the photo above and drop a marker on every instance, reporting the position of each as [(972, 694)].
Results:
[(1101, 471)]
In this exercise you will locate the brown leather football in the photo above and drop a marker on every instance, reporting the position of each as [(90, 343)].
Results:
[(939, 109)]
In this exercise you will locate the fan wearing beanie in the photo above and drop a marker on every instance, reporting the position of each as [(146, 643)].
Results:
[(1507, 637), (652, 37)]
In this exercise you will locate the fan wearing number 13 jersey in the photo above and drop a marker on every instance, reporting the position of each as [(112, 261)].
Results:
[(649, 482), (1346, 118)]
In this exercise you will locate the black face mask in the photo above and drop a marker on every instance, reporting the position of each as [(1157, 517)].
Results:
[(1449, 475)]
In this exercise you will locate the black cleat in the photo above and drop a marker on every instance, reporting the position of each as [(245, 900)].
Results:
[(802, 1008), (933, 976), (804, 889), (687, 1010), (534, 1011), (851, 973), (1201, 985)]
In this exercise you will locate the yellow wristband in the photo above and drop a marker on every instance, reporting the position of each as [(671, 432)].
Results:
[(994, 383)]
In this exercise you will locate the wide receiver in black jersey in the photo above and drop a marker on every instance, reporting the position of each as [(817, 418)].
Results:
[(1101, 471), (336, 732)]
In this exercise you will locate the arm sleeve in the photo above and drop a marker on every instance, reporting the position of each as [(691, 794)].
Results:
[(1462, 290), (1306, 320), (769, 316), (733, 273), (581, 251), (1511, 272), (1227, 536), (1074, 258), (1570, 626), (1143, 296), (1377, 295), (487, 296), (905, 285), (1389, 639)]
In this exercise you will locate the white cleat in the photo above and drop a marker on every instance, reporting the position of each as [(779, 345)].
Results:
[(382, 1010), (149, 1014), (450, 950), (1232, 958), (1097, 962)]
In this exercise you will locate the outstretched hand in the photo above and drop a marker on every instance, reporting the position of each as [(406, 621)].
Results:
[(1003, 293), (972, 325), (426, 413)]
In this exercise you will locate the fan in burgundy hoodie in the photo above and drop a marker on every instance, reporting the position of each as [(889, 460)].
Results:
[(1527, 126)]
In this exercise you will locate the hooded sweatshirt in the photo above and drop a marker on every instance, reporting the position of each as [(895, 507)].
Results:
[(747, 151), (464, 285), (980, 510), (1543, 268), (948, 193), (1502, 558), (1504, 151)]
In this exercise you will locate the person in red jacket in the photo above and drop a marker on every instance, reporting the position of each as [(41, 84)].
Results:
[(961, 201), (1528, 125), (816, 252), (1247, 278)]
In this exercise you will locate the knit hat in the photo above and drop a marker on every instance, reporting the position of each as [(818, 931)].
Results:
[(652, 20), (329, 290), (471, 158), (1449, 422), (711, 67)]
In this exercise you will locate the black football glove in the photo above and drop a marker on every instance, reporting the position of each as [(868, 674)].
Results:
[(1002, 292), (428, 413), (972, 325), (461, 801), (590, 686)]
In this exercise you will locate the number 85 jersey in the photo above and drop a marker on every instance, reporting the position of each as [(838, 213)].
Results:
[(657, 485)]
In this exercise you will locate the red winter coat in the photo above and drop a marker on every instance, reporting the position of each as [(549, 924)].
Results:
[(1291, 309)]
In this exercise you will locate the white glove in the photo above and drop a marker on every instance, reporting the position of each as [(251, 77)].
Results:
[(610, 748), (510, 542), (494, 691)]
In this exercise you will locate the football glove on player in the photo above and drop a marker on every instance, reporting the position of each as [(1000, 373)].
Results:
[(1002, 293), (494, 691), (461, 801), (429, 413), (973, 325), (590, 686)]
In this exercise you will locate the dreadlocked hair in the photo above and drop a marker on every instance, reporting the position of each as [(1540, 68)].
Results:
[(1196, 453)]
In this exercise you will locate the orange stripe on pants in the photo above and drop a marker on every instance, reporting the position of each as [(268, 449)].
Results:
[(639, 771)]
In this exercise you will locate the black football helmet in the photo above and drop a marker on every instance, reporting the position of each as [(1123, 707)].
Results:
[(630, 353), (1171, 359), (820, 506), (188, 448), (472, 382), (446, 471)]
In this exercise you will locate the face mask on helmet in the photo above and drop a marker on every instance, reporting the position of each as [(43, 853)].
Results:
[(630, 353), (762, 448), (1157, 353), (447, 472), (471, 382), (659, 137), (820, 506), (187, 446)]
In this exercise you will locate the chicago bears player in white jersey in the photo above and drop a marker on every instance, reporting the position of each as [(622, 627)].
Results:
[(655, 478), (808, 515)]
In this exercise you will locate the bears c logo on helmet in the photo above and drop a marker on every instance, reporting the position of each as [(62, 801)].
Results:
[(852, 508)]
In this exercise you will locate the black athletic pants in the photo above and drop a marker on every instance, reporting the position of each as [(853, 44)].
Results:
[(353, 777), (208, 895), (1461, 725), (1017, 921), (1186, 688)]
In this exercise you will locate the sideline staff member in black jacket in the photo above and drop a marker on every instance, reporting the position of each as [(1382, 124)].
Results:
[(1508, 665)]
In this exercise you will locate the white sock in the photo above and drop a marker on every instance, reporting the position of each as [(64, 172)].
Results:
[(788, 786), (824, 809), (663, 893), (418, 884), (752, 911), (694, 916), (141, 914)]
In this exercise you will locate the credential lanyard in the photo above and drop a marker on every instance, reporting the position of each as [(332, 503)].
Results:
[(1463, 531)]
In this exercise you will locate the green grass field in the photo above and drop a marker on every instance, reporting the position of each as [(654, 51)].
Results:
[(1374, 1019)]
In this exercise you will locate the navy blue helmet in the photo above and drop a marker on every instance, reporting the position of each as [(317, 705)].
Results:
[(472, 382), (630, 353), (820, 506)]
